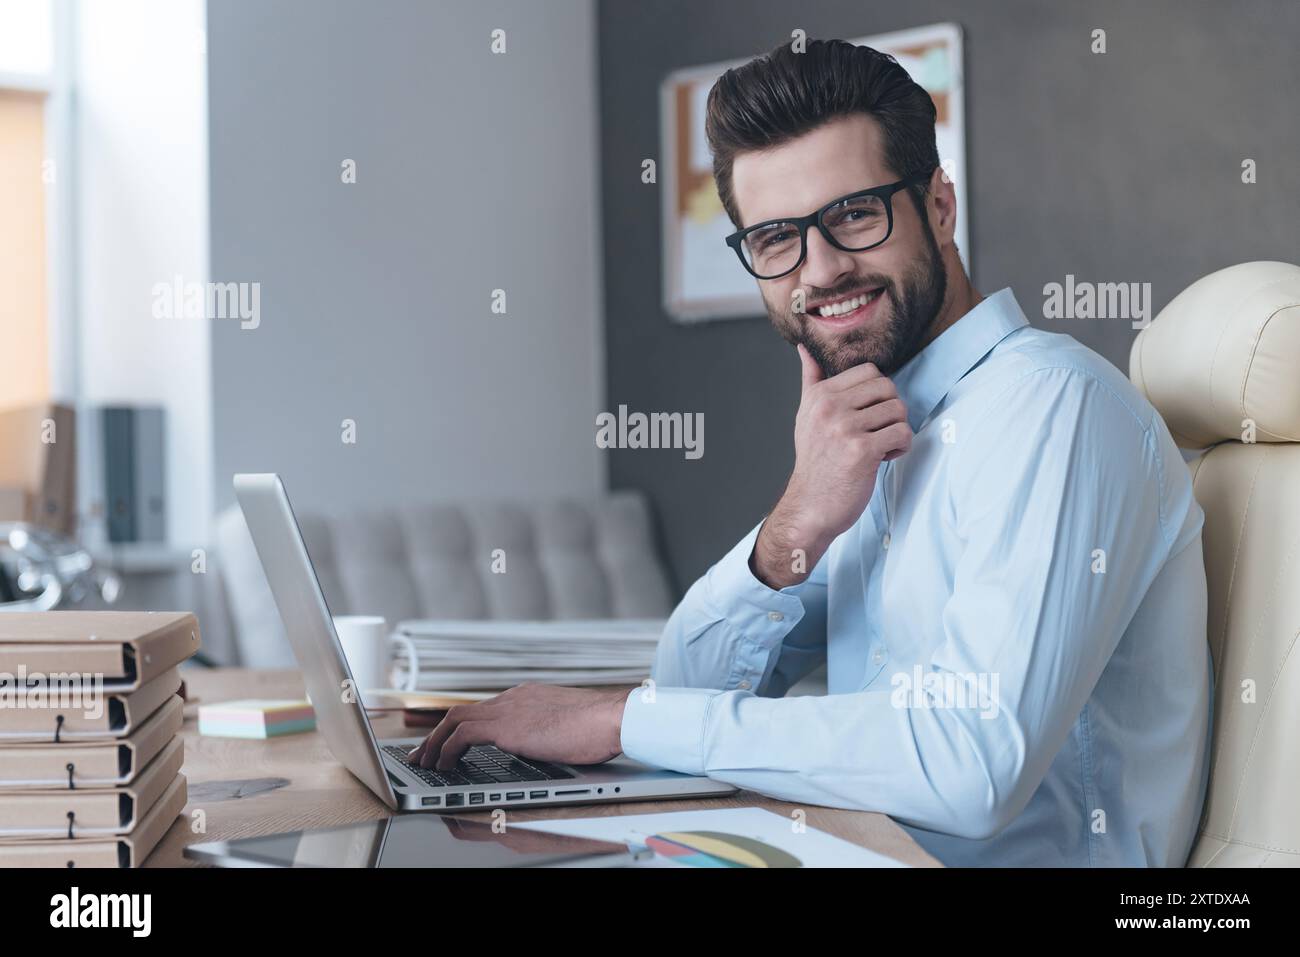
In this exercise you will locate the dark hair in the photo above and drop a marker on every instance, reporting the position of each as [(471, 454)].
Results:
[(782, 95)]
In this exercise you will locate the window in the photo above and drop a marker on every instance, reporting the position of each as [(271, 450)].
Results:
[(26, 82)]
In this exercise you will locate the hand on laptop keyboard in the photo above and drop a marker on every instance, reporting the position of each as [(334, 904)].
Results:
[(546, 722), (485, 764)]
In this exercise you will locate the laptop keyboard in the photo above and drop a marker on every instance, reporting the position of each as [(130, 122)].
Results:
[(483, 764)]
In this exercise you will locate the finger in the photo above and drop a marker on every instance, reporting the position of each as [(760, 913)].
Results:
[(868, 393), (445, 728), (855, 376), (466, 735), (809, 371), (413, 756), (428, 750), (894, 440), (882, 414)]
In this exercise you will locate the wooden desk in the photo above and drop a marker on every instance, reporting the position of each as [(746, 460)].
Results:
[(228, 780)]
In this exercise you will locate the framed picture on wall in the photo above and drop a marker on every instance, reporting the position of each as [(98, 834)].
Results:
[(701, 278)]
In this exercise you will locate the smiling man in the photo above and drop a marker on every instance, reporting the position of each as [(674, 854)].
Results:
[(988, 536)]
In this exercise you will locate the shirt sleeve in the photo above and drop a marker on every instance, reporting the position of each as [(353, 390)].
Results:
[(1057, 493), (731, 631)]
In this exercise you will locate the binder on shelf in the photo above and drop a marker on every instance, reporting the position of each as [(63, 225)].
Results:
[(129, 648), (120, 714), (103, 763), (119, 473), (90, 812), (149, 475), (38, 445), (57, 505), (127, 850), (134, 473)]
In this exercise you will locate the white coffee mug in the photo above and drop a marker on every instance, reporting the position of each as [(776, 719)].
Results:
[(367, 646)]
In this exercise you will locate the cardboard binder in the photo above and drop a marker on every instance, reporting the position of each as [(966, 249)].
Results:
[(102, 763), (127, 647), (128, 850), (90, 812), (38, 455), (120, 714)]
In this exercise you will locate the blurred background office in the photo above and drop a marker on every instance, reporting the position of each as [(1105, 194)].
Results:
[(442, 259)]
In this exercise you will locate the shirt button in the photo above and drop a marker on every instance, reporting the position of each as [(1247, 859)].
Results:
[(775, 616), (743, 686), (878, 656), (885, 541)]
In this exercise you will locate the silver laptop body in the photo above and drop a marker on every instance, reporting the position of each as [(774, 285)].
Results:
[(342, 719)]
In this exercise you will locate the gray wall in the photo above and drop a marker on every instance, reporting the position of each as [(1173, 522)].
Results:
[(1116, 167), (475, 172)]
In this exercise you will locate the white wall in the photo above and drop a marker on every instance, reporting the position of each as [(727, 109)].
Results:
[(140, 135), (474, 172)]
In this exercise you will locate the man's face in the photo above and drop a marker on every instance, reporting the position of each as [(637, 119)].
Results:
[(903, 278)]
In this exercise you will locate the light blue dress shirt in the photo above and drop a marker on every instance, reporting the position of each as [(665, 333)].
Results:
[(1014, 630)]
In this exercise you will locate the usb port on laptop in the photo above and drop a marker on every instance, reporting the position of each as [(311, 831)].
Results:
[(514, 795), (537, 794)]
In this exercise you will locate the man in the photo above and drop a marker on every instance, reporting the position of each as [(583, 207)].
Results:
[(988, 534)]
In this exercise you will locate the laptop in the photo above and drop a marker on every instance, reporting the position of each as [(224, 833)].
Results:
[(486, 777)]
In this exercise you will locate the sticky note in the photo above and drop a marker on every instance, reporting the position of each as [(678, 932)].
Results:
[(256, 718)]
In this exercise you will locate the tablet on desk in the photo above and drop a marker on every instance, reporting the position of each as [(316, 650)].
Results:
[(419, 840)]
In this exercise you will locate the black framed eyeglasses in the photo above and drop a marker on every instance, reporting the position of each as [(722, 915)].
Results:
[(855, 222)]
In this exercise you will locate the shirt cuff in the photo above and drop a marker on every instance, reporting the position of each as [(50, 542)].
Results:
[(666, 727), (760, 613)]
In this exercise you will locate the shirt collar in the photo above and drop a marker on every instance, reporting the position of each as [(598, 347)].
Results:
[(927, 377)]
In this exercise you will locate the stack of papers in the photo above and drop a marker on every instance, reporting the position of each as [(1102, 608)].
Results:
[(496, 655)]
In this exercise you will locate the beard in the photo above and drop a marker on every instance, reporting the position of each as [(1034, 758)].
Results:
[(888, 340)]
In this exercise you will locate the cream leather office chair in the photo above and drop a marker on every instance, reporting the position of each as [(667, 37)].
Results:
[(1221, 361)]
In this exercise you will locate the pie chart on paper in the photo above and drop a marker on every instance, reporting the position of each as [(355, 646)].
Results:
[(716, 849)]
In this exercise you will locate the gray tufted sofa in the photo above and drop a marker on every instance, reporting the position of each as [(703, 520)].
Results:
[(594, 559)]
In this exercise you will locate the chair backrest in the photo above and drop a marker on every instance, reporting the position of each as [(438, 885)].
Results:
[(556, 560), (1222, 365)]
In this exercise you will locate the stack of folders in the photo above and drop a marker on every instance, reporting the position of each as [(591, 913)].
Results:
[(90, 717), (495, 655)]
